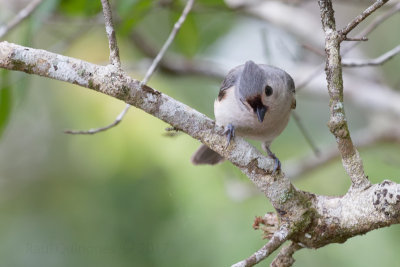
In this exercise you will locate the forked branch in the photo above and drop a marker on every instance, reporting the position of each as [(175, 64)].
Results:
[(114, 58)]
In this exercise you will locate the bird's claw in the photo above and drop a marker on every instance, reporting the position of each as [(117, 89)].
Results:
[(277, 165), (230, 133)]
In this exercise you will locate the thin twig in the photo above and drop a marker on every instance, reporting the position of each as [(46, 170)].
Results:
[(373, 62), (274, 243), (379, 20), (356, 39), (149, 72), (364, 138), (102, 129), (310, 77), (176, 64), (372, 26), (81, 30), (361, 17), (305, 133), (285, 256), (21, 16), (167, 43), (313, 49), (112, 39)]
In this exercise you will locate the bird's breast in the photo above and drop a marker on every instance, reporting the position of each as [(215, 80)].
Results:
[(228, 110)]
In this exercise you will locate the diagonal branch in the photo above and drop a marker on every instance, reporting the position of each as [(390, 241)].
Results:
[(167, 43), (151, 69), (112, 39), (361, 17), (21, 16), (274, 243), (373, 62), (372, 26), (102, 129), (115, 83), (285, 256), (178, 64), (363, 138), (306, 218), (337, 122)]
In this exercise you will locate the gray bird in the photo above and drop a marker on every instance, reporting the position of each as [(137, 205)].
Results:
[(255, 101)]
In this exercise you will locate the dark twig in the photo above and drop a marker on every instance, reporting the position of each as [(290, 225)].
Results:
[(274, 243), (21, 16), (361, 17), (112, 39), (285, 256), (151, 69), (373, 62), (305, 133), (310, 77), (356, 39)]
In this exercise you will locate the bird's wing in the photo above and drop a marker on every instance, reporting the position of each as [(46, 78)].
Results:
[(229, 81)]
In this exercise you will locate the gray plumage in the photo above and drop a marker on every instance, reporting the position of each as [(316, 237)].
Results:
[(255, 100), (205, 155)]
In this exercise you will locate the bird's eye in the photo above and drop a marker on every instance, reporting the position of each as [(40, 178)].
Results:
[(268, 90)]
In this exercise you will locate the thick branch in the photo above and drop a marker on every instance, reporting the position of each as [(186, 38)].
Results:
[(112, 81), (338, 123), (112, 39), (357, 212), (21, 16), (326, 219)]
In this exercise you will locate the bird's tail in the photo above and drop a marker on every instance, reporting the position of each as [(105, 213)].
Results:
[(205, 155)]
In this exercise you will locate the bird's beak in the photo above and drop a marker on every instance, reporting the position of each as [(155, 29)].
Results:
[(261, 110)]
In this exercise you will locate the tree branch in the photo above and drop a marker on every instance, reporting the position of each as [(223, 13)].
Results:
[(114, 82), (338, 123), (377, 21), (168, 42), (105, 128), (21, 16), (177, 64), (373, 62), (306, 217), (362, 139), (285, 256), (112, 39), (361, 17), (114, 51), (274, 243)]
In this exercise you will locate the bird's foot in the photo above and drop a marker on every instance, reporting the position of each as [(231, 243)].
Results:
[(277, 165), (230, 133)]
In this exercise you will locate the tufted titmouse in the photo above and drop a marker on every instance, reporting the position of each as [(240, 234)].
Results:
[(255, 101)]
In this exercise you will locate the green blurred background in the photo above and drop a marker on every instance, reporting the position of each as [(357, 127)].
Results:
[(130, 196)]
